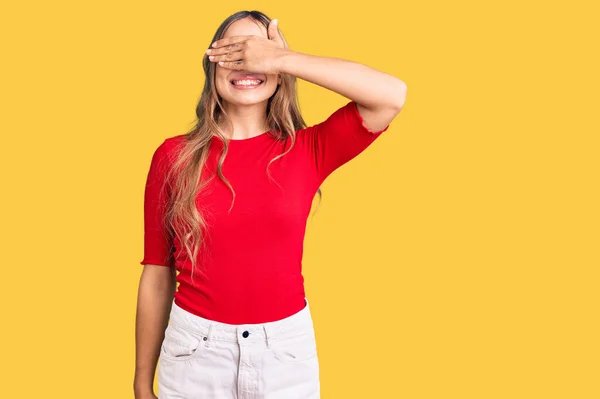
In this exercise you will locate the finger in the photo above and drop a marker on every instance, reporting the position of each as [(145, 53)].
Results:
[(272, 30), (236, 56), (226, 49), (232, 64), (230, 40)]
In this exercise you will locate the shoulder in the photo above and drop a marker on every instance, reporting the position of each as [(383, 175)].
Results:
[(169, 147), (165, 154), (343, 114), (172, 143)]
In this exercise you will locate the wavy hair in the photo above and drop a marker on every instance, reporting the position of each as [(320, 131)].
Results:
[(182, 217)]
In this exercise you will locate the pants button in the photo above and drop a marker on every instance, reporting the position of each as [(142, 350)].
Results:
[(245, 334)]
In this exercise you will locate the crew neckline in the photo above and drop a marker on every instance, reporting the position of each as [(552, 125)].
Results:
[(250, 138), (264, 136)]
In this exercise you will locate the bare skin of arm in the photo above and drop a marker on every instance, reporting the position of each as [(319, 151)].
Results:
[(155, 295), (378, 95)]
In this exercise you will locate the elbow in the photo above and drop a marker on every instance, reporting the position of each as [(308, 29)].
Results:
[(399, 96)]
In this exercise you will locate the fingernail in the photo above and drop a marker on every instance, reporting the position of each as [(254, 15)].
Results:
[(214, 44), (221, 63), (275, 21)]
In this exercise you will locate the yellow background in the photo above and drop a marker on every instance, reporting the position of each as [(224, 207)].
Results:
[(455, 258)]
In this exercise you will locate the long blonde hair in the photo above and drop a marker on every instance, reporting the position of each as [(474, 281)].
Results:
[(182, 217)]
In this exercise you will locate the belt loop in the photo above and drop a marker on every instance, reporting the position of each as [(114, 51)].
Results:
[(209, 334)]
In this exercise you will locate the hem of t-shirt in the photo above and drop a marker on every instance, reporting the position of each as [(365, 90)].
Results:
[(354, 107), (153, 262)]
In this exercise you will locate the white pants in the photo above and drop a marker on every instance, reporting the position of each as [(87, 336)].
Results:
[(203, 359)]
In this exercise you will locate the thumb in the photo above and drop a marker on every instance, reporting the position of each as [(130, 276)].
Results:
[(273, 30)]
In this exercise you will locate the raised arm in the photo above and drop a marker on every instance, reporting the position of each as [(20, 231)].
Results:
[(378, 95)]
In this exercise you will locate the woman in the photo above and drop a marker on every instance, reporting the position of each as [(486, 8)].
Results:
[(226, 206)]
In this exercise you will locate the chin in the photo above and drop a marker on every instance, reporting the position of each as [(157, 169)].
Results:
[(246, 101), (248, 96)]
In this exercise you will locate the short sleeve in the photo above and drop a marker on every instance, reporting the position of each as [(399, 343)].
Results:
[(338, 139), (157, 242)]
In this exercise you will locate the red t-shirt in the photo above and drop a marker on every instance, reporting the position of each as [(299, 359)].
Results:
[(252, 259)]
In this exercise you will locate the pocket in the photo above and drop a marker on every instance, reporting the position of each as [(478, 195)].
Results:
[(180, 344), (299, 348)]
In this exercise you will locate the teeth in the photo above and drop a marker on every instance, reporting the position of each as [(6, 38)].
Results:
[(246, 82)]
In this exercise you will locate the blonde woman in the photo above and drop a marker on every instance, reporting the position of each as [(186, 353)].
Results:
[(226, 206)]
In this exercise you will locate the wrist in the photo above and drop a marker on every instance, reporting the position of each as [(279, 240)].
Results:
[(144, 393), (286, 58), (142, 388)]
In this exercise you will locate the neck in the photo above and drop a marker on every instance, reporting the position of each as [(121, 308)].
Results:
[(246, 120)]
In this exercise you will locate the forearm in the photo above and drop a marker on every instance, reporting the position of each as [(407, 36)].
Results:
[(155, 295), (368, 87)]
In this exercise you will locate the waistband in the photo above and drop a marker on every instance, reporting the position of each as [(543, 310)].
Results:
[(297, 324)]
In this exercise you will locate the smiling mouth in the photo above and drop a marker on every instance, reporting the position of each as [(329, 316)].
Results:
[(246, 83)]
